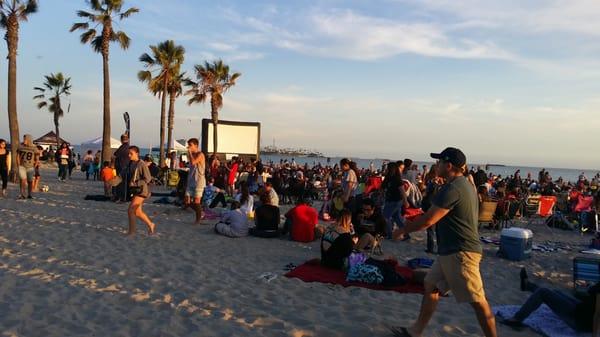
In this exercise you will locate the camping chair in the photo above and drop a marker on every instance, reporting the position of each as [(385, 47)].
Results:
[(506, 212), (487, 210), (531, 204), (584, 211), (545, 209)]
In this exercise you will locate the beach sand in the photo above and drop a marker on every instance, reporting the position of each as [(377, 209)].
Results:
[(67, 270)]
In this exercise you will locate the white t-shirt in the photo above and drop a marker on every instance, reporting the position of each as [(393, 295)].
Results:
[(248, 206)]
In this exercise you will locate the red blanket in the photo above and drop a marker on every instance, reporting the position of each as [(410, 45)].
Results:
[(312, 271)]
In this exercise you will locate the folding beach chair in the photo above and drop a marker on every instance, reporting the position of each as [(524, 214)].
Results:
[(531, 204), (545, 209), (487, 210), (584, 210)]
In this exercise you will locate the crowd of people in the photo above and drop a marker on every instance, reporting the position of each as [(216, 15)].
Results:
[(358, 208)]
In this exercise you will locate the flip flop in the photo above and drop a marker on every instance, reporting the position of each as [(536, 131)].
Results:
[(400, 331)]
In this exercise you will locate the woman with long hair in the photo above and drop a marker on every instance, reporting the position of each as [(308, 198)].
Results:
[(140, 191), (395, 198), (4, 165), (245, 199), (62, 158), (337, 242)]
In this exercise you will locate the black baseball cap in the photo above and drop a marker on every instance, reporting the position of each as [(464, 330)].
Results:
[(451, 155)]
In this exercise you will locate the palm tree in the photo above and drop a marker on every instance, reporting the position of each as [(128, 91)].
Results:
[(11, 13), (102, 15), (175, 90), (165, 61), (214, 80), (55, 86)]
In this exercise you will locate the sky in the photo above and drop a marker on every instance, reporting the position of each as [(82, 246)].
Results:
[(510, 82)]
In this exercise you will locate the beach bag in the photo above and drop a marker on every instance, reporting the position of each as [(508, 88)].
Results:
[(387, 269), (356, 259), (365, 273)]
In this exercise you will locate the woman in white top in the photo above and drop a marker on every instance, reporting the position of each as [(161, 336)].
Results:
[(245, 199)]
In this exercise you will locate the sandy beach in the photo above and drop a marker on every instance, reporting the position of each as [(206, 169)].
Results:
[(67, 270)]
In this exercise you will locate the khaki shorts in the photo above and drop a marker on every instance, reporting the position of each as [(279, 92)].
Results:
[(460, 274), (26, 173)]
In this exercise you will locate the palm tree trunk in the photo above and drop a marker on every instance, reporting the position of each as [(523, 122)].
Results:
[(106, 150), (163, 115), (171, 122), (57, 132), (12, 41)]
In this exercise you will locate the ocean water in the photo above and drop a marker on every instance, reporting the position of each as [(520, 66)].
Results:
[(567, 174)]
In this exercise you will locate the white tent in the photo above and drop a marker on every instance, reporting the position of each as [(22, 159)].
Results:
[(177, 146), (96, 144)]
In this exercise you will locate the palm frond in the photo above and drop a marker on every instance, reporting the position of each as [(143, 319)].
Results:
[(121, 38), (79, 25), (41, 105), (129, 12), (88, 36), (97, 44)]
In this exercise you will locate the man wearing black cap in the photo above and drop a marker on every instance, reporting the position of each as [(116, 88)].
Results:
[(455, 210)]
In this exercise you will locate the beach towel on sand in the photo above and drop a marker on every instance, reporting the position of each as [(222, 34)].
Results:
[(312, 271), (543, 321)]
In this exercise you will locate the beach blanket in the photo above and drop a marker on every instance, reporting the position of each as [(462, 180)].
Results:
[(312, 271), (543, 321)]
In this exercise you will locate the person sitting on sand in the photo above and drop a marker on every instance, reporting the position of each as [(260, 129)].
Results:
[(138, 187), (213, 195), (266, 218), (245, 199), (337, 242), (369, 219), (272, 194), (301, 222), (234, 223), (580, 314)]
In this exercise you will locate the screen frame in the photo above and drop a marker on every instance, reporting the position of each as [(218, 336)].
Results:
[(205, 127)]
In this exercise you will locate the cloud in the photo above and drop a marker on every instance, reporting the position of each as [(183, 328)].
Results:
[(349, 35)]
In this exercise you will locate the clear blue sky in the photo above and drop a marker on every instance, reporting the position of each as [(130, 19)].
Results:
[(508, 81)]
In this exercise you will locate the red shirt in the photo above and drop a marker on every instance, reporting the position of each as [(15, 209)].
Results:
[(304, 219)]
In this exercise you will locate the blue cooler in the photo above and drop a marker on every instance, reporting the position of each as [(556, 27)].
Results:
[(515, 243)]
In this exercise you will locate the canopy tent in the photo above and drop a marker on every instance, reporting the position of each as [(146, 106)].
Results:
[(177, 147), (48, 139), (96, 144)]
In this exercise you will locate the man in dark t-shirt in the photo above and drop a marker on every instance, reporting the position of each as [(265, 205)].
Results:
[(454, 211), (121, 163)]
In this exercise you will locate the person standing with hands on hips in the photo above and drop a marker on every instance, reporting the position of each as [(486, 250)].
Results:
[(454, 209)]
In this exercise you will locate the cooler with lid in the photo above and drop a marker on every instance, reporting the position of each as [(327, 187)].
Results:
[(516, 243)]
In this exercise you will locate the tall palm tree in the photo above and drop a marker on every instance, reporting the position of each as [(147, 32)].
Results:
[(165, 61), (49, 94), (175, 90), (11, 13), (214, 80), (102, 16)]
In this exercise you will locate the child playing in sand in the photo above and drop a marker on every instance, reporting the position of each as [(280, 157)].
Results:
[(106, 175)]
